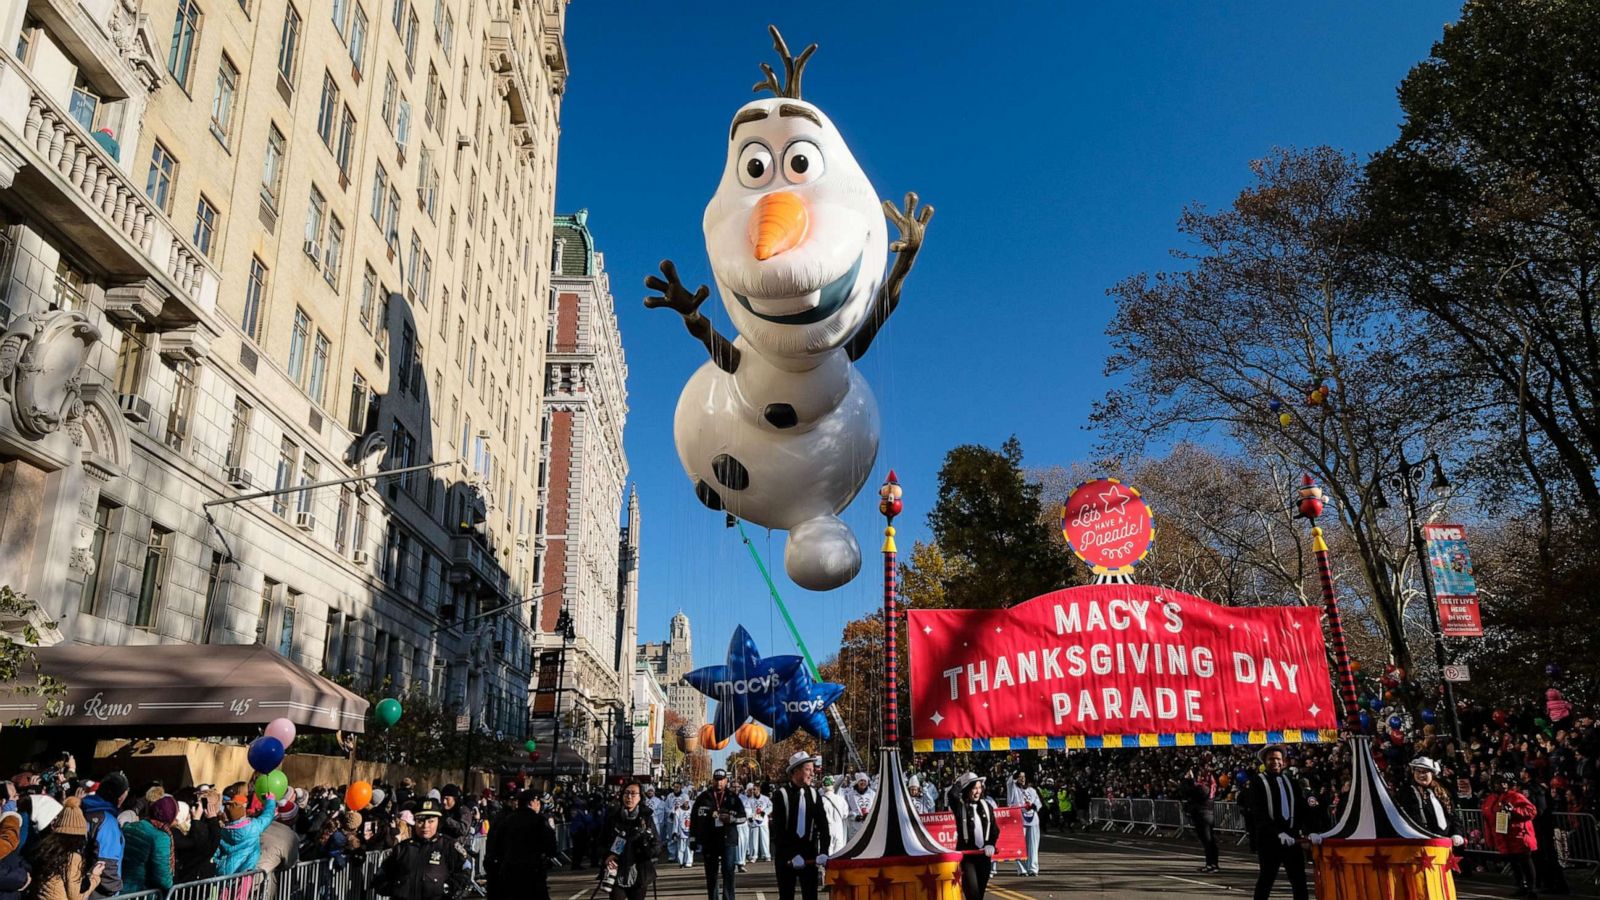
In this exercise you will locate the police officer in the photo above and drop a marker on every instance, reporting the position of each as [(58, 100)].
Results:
[(427, 866), (716, 820)]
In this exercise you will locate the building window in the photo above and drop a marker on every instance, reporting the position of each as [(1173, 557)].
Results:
[(341, 521), (425, 279), (69, 283), (185, 28), (272, 167), (360, 402), (333, 643), (183, 390), (446, 29), (408, 341), (413, 265), (97, 547), (391, 98), (411, 42), (133, 361), (333, 252), (369, 295), (328, 110), (214, 586), (380, 189), (291, 607), (341, 9), (238, 433), (288, 466), (222, 102), (392, 230), (358, 536), (319, 368), (397, 16), (288, 45), (402, 127), (163, 171), (269, 593), (205, 225), (153, 578), (299, 342), (255, 291), (358, 39), (347, 143), (316, 212), (84, 107), (305, 503)]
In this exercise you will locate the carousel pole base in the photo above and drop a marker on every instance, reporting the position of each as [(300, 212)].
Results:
[(1383, 869), (903, 878)]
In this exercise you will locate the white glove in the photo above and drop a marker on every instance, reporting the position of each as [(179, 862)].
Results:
[(799, 862), (1457, 840), (1285, 839), (1316, 839), (822, 859), (988, 850)]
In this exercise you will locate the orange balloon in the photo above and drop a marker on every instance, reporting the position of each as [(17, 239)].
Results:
[(751, 736), (1222, 781), (358, 795), (708, 738)]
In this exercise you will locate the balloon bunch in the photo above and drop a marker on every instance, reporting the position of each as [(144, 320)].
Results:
[(265, 754), (1319, 396), (532, 746), (1276, 405)]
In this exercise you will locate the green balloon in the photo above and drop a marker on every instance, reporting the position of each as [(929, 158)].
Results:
[(531, 745), (389, 711), (1540, 722), (275, 783)]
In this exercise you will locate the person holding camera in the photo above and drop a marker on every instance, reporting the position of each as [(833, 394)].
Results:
[(630, 866), (800, 836), (718, 815)]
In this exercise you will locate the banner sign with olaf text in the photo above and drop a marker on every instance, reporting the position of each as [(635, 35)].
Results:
[(1117, 665)]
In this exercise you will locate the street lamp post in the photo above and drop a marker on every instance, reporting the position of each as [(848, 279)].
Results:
[(568, 635), (1407, 479)]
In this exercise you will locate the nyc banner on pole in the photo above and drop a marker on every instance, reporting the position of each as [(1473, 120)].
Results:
[(1118, 665), (1454, 584)]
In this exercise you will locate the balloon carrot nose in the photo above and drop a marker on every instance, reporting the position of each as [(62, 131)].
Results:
[(779, 223)]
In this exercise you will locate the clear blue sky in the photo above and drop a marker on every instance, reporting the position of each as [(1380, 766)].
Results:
[(1058, 142)]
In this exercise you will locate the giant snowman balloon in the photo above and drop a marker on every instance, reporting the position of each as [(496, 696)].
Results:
[(778, 427)]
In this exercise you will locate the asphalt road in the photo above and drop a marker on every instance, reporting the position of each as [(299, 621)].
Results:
[(1076, 865)]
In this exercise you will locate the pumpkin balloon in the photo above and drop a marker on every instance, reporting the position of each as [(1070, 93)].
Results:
[(358, 795), (751, 736), (708, 738)]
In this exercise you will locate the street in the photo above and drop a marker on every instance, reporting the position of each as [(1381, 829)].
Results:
[(1077, 865)]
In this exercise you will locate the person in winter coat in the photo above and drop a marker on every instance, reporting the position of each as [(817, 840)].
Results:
[(718, 817), (429, 866), (62, 867), (147, 858), (520, 846), (631, 844), (14, 872), (1508, 828), (240, 848), (1551, 877), (196, 832), (1199, 803), (976, 834), (280, 846), (100, 812)]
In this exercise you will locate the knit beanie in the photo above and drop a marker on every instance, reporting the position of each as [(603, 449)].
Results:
[(164, 810), (352, 820), (71, 820)]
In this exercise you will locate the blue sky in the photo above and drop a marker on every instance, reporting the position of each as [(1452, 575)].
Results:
[(1059, 143)]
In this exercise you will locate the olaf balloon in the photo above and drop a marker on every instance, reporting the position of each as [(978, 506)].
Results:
[(778, 427)]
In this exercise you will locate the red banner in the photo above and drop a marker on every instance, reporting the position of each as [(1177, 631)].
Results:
[(942, 828), (1086, 666), (1459, 616)]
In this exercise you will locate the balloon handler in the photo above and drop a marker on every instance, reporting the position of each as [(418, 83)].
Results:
[(779, 427), (1376, 850)]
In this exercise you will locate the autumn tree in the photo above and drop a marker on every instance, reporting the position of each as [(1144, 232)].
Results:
[(1278, 298)]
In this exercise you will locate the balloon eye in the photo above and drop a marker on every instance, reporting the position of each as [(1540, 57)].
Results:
[(755, 165), (802, 162)]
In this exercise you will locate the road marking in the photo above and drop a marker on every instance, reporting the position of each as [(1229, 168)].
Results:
[(760, 896), (1209, 884), (578, 894), (1008, 894)]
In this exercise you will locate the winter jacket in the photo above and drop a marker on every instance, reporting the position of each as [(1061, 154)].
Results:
[(108, 842), (146, 858), (240, 849), (420, 869), (197, 850), (520, 843), (1519, 838), (13, 868), (66, 888), (709, 829)]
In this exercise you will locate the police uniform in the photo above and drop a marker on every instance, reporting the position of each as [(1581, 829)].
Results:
[(423, 869)]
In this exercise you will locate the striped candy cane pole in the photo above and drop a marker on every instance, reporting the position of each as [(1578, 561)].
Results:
[(1330, 604), (890, 505)]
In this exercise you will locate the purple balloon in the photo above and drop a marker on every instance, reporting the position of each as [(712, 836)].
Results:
[(283, 730), (265, 754)]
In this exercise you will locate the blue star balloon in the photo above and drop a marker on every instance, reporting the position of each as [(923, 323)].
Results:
[(746, 686), (804, 704)]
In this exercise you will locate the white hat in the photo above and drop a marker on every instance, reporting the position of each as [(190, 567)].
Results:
[(1425, 764), (913, 782), (45, 810), (801, 758), (966, 780), (378, 796), (861, 776)]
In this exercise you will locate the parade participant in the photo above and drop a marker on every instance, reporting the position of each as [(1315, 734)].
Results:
[(756, 807), (429, 866), (859, 799), (1199, 803), (1019, 793), (1275, 805), (976, 834), (1428, 804), (1508, 827), (517, 856), (717, 816), (838, 814), (683, 841), (661, 811), (921, 799), (801, 841), (105, 835), (632, 841), (63, 869)]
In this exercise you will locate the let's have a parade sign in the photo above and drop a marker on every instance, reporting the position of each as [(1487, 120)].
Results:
[(1117, 665)]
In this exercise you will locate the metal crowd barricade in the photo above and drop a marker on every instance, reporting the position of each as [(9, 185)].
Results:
[(1097, 811), (244, 886), (1230, 820), (156, 894), (1169, 815), (1577, 831), (1144, 816)]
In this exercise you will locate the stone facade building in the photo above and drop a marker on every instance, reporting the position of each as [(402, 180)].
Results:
[(255, 244), (589, 561), (669, 660)]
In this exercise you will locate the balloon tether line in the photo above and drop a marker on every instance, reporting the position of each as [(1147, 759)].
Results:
[(772, 589)]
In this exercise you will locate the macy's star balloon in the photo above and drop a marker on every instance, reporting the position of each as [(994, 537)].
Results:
[(778, 427), (803, 704), (746, 686)]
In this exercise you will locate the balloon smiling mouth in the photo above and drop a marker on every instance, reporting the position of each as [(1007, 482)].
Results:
[(829, 299)]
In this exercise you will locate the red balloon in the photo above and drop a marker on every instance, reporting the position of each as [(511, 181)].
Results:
[(1500, 717)]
